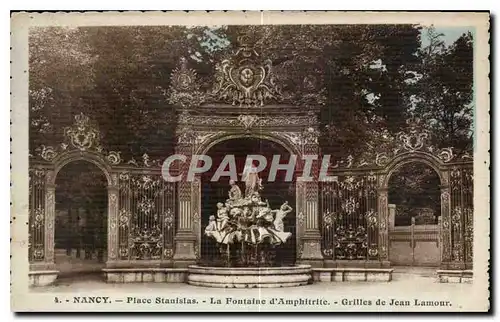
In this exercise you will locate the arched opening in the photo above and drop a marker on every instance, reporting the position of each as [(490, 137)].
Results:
[(80, 219), (414, 211), (414, 189), (276, 192)]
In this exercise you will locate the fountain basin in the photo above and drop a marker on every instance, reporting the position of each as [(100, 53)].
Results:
[(249, 277)]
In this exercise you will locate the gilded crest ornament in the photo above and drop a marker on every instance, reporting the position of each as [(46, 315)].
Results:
[(381, 159), (446, 154), (184, 90), (245, 79), (82, 135), (414, 138), (386, 147)]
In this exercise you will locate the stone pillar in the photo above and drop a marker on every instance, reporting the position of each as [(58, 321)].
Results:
[(383, 233), (446, 244), (311, 240), (113, 193), (300, 218), (185, 238), (50, 205)]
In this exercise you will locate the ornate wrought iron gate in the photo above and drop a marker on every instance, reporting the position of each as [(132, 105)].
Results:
[(461, 224), (146, 217), (142, 206), (350, 218), (36, 212), (354, 202)]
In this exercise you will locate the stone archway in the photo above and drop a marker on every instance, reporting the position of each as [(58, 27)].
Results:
[(427, 242), (81, 143), (277, 138), (234, 110), (297, 138), (275, 191), (59, 163), (414, 201), (411, 157), (80, 218)]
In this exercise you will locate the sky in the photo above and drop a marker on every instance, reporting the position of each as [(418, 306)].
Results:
[(450, 34)]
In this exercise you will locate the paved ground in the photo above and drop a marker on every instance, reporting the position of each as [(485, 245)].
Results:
[(402, 283), (408, 284), (404, 279)]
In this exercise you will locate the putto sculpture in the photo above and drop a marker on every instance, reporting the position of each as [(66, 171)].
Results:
[(245, 228)]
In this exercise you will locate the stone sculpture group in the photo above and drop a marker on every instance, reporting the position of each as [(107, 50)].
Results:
[(247, 219)]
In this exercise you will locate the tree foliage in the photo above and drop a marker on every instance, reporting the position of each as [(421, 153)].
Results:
[(443, 94), (414, 187), (116, 75), (374, 76)]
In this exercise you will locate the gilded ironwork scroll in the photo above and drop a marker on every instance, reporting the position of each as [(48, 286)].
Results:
[(350, 218), (36, 211), (146, 217), (461, 223)]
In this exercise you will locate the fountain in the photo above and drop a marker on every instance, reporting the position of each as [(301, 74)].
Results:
[(247, 233)]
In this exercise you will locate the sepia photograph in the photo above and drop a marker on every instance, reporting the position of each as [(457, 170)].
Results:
[(250, 162)]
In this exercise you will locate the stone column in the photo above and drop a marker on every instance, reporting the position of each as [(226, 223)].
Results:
[(300, 218), (446, 244), (383, 233), (50, 205), (311, 240), (113, 204), (185, 238)]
